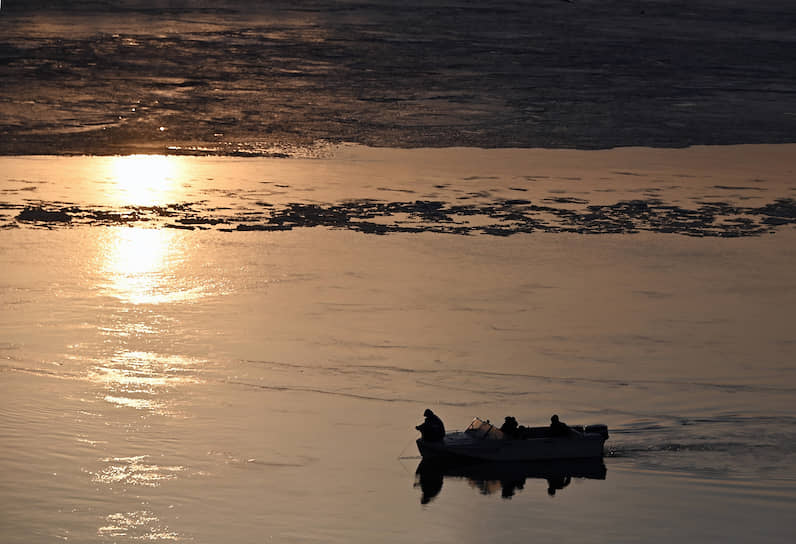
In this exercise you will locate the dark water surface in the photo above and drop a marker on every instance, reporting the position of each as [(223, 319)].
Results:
[(264, 77)]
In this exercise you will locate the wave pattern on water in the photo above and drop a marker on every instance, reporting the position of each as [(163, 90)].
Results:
[(259, 77)]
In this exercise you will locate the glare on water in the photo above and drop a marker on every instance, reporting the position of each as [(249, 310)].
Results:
[(144, 180), (141, 266)]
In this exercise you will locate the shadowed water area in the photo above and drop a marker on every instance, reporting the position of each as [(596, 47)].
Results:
[(261, 78)]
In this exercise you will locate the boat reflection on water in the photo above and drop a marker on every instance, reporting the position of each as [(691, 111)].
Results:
[(507, 477)]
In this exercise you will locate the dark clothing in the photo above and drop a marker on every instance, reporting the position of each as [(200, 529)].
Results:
[(559, 428), (510, 427), (432, 429)]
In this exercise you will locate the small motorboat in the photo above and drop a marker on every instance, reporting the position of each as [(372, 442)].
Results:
[(483, 441)]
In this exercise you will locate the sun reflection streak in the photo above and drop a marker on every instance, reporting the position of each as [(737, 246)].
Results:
[(142, 380), (138, 525), (141, 266), (136, 263), (136, 471), (145, 180)]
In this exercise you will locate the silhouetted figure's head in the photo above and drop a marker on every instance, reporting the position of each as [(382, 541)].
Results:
[(428, 413), (509, 426), (554, 419)]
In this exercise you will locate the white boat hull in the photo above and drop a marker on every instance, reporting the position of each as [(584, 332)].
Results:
[(470, 446)]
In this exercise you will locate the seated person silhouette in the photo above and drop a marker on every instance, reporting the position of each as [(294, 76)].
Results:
[(510, 427), (558, 428), (432, 429)]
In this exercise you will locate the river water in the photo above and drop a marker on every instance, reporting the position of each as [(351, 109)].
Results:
[(261, 77), (244, 245), (166, 376)]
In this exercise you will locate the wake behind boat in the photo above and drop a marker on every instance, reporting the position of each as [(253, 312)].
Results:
[(483, 441)]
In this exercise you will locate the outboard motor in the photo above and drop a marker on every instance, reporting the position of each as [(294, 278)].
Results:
[(599, 428)]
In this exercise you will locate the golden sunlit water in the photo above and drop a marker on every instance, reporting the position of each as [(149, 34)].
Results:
[(145, 381), (145, 180), (146, 266), (140, 266), (141, 525), (136, 471), (166, 384)]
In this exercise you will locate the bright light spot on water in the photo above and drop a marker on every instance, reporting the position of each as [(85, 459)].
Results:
[(137, 371), (135, 471), (141, 266), (139, 525), (144, 180), (143, 380), (138, 404), (136, 264)]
